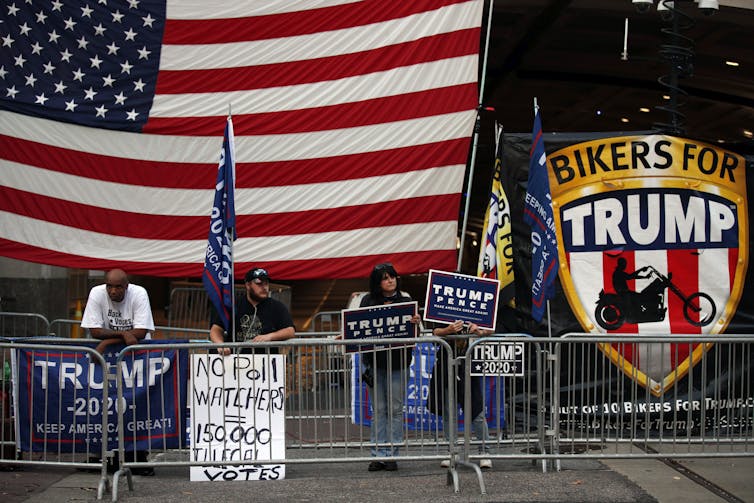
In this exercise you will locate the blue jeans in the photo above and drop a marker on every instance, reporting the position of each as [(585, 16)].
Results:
[(478, 423), (387, 400), (478, 427)]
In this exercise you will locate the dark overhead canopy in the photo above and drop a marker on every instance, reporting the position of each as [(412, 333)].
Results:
[(568, 54)]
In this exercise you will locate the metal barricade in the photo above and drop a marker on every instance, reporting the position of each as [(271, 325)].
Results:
[(545, 399), (506, 373), (321, 424), (167, 332), (68, 329), (325, 321), (190, 307), (23, 325), (631, 396), (59, 418)]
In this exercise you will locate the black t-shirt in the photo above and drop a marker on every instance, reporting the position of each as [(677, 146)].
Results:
[(270, 315), (399, 357)]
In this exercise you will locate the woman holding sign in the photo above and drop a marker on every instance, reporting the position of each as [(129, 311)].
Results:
[(385, 373)]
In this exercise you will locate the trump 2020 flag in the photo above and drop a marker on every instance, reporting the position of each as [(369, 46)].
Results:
[(352, 121), (218, 260), (496, 253), (538, 215)]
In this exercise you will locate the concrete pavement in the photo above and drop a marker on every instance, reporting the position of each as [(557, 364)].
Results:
[(642, 481)]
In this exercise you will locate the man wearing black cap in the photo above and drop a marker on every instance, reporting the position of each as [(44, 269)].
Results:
[(259, 317)]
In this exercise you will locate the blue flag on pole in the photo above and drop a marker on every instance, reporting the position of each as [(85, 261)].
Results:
[(538, 215), (218, 261)]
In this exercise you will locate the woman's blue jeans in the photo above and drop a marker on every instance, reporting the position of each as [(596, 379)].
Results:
[(388, 393)]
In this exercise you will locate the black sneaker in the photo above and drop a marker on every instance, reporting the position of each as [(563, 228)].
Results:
[(391, 466), (376, 466)]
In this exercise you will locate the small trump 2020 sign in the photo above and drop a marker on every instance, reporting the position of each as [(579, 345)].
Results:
[(452, 296), (497, 358)]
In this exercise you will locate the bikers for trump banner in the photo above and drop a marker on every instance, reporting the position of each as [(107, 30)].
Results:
[(59, 399), (653, 239)]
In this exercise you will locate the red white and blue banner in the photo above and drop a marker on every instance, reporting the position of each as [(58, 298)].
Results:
[(416, 413), (59, 401)]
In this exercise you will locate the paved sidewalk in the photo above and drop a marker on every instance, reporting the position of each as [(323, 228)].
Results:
[(618, 481), (332, 482)]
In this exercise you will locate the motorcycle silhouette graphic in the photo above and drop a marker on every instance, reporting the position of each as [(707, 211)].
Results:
[(613, 309)]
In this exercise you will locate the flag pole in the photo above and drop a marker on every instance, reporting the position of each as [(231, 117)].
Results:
[(232, 256), (549, 320), (218, 276), (477, 125)]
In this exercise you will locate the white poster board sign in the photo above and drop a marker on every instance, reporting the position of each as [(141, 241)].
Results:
[(237, 414)]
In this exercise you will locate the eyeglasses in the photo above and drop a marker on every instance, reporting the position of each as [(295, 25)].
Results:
[(384, 267)]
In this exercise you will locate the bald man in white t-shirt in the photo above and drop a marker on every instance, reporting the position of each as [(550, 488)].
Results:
[(118, 312)]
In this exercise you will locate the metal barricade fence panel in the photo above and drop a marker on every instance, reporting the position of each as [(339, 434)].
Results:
[(190, 307), (55, 406), (320, 423), (325, 321), (510, 368), (23, 325), (690, 396), (67, 328)]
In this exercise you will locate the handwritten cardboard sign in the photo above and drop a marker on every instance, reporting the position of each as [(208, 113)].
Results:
[(237, 414)]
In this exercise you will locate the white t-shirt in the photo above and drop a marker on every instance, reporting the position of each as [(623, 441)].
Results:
[(132, 312)]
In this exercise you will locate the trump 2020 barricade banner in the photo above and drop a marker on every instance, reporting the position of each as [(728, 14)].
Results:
[(452, 296), (60, 406), (416, 413)]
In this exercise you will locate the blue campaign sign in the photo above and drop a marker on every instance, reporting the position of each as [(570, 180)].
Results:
[(416, 413), (390, 321), (453, 296), (60, 403)]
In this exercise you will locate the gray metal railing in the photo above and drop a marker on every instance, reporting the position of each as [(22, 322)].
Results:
[(581, 396)]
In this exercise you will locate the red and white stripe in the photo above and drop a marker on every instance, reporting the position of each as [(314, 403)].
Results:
[(709, 270), (352, 123)]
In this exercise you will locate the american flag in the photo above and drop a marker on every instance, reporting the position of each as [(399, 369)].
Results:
[(353, 123)]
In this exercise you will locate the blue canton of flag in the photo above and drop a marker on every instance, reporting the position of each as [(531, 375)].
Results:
[(538, 215), (218, 261), (94, 65)]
